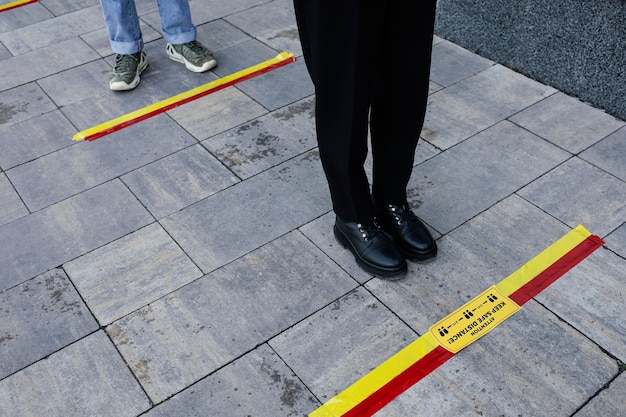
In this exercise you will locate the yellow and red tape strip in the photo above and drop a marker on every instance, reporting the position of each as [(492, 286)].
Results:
[(468, 323), (137, 116), (15, 4)]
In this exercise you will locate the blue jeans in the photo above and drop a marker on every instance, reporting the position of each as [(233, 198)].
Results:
[(122, 23)]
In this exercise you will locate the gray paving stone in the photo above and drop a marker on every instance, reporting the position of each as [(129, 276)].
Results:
[(567, 122), (78, 83), (592, 298), (320, 232), (609, 154), (87, 378), (474, 104), (33, 138), (45, 61), (518, 369), (131, 272), (264, 19), (501, 159), (255, 211), (23, 16), (187, 335), (579, 193), (69, 171), (43, 240), (433, 87), (219, 9), (99, 39), (273, 23), (11, 206), (4, 53), (51, 31), (259, 145), (60, 7), (616, 241), (243, 55), (40, 317), (610, 402), (218, 35), (95, 105), (299, 116), (258, 384), (208, 115), (451, 63), (90, 101), (286, 39), (178, 180), (22, 103), (281, 86), (341, 343)]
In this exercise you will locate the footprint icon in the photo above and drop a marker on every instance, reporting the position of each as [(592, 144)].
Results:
[(443, 331), (468, 314), (492, 298)]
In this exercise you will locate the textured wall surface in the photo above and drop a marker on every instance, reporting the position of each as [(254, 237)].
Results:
[(576, 46)]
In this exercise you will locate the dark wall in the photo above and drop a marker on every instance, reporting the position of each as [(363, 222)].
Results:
[(576, 46)]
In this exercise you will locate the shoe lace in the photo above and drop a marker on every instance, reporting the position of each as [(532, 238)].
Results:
[(125, 63), (196, 48)]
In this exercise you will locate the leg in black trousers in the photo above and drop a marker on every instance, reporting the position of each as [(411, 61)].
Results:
[(367, 58)]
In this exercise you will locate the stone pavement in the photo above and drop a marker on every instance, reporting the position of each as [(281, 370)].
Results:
[(185, 265)]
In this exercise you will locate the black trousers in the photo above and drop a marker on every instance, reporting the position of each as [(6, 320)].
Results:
[(369, 62)]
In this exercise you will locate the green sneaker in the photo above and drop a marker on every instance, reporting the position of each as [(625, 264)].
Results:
[(125, 72), (193, 54)]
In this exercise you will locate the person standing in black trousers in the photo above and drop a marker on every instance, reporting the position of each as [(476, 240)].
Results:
[(370, 64)]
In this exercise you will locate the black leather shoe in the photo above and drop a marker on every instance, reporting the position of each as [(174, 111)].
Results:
[(372, 249), (407, 231)]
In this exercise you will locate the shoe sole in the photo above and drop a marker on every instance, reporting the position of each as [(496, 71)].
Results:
[(417, 256), (390, 274), (122, 86), (175, 56)]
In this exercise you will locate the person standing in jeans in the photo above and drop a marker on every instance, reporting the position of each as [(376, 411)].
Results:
[(370, 64), (126, 40)]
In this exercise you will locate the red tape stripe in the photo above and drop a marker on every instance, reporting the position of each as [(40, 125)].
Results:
[(431, 361), (16, 5), (556, 270)]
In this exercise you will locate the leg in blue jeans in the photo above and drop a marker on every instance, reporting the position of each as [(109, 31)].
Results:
[(176, 21), (125, 35), (122, 22)]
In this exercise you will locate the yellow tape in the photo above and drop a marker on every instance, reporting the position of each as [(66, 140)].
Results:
[(15, 4), (371, 382), (138, 114), (540, 262)]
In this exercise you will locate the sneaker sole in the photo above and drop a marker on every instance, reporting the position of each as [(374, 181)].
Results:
[(122, 86), (175, 56), (389, 274)]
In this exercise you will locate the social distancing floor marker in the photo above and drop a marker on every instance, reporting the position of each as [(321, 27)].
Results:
[(14, 4), (137, 116), (459, 329)]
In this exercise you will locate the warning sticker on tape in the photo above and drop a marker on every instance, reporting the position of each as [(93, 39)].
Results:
[(473, 320)]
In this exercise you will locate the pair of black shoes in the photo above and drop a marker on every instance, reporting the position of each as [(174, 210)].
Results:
[(381, 246)]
